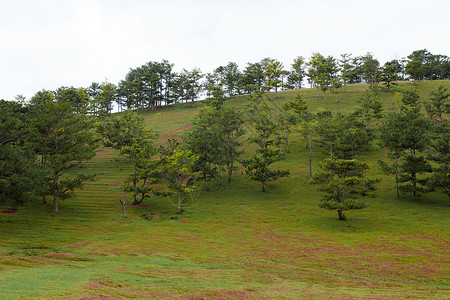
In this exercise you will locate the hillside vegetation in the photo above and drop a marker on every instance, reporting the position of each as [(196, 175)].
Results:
[(234, 241)]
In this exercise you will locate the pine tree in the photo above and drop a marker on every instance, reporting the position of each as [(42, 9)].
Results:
[(258, 166), (343, 182), (64, 138)]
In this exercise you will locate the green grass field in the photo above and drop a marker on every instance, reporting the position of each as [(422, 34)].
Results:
[(233, 242)]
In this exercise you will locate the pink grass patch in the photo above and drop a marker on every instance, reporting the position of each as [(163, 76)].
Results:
[(39, 260), (79, 245), (67, 256), (9, 211)]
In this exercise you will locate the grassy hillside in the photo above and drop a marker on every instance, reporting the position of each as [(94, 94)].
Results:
[(234, 241)]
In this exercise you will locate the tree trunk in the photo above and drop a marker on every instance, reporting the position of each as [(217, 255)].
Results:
[(341, 214), (179, 204), (396, 177), (205, 177), (230, 171), (263, 186), (55, 204), (286, 142), (310, 155), (122, 201), (136, 202), (413, 175)]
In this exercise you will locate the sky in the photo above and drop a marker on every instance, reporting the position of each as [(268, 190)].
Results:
[(47, 44)]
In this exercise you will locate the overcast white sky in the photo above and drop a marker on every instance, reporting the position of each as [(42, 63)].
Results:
[(45, 44)]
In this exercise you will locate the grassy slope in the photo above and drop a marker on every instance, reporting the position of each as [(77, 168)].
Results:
[(232, 242)]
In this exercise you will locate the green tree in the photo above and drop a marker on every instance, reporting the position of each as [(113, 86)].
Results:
[(370, 69), (287, 119), (20, 174), (189, 85), (345, 66), (438, 104), (416, 64), (327, 77), (371, 106), (273, 70), (144, 169), (78, 97), (258, 166), (232, 78), (356, 71), (124, 131), (343, 182), (439, 152), (178, 173), (411, 100), (231, 124), (64, 139), (205, 140), (414, 140), (315, 69), (107, 96), (355, 136), (305, 121), (298, 72), (328, 131), (253, 78), (388, 74), (336, 84), (390, 137)]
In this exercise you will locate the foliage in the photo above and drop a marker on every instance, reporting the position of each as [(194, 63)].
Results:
[(287, 120), (414, 140), (258, 166), (439, 153), (64, 139), (145, 169), (438, 104), (390, 137), (297, 74), (370, 106), (388, 74), (20, 174), (178, 173), (355, 137), (328, 131), (206, 140), (124, 131), (273, 70), (411, 100), (343, 182)]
